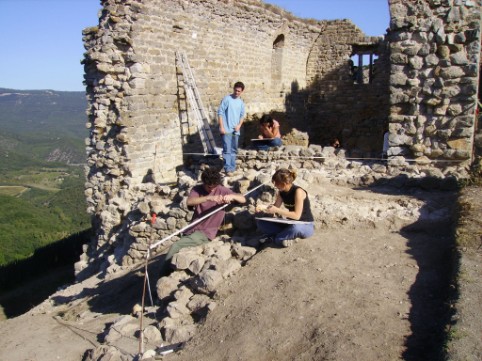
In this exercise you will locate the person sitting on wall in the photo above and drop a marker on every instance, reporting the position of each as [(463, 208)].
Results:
[(335, 143), (353, 69), (204, 198), (270, 134)]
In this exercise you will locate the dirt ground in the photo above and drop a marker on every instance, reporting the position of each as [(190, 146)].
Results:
[(354, 291)]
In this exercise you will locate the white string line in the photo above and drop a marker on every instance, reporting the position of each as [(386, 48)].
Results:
[(197, 221), (281, 157), (147, 277), (148, 254)]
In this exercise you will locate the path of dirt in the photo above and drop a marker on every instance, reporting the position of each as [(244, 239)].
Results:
[(354, 291)]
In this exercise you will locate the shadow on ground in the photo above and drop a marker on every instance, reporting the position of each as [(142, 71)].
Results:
[(120, 294), (431, 242)]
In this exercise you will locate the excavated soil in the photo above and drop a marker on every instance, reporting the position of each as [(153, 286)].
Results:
[(357, 290)]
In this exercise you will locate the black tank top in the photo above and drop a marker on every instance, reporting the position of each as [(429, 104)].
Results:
[(289, 202)]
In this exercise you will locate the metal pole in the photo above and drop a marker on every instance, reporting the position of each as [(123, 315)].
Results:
[(168, 237)]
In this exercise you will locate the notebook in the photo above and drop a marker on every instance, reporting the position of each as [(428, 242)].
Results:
[(281, 220)]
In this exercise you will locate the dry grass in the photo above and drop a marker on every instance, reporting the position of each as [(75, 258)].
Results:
[(12, 191)]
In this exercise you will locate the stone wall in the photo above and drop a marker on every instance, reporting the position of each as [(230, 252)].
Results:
[(435, 66), (140, 128), (338, 105), (138, 229)]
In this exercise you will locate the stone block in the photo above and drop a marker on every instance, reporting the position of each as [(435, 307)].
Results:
[(452, 72), (431, 60), (230, 267), (199, 302), (459, 58), (399, 58), (166, 286), (460, 144), (182, 260), (124, 326), (416, 62), (398, 79), (224, 252), (197, 265), (144, 208), (152, 335), (106, 352), (177, 309), (171, 223), (208, 280), (179, 333)]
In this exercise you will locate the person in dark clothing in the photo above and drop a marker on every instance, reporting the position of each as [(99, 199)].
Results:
[(296, 207)]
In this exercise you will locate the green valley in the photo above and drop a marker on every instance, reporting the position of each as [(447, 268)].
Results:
[(41, 169)]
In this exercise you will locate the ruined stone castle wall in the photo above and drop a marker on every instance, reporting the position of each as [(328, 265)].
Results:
[(424, 82), (132, 81), (137, 112), (338, 104), (435, 62)]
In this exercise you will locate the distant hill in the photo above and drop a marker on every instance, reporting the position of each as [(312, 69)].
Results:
[(38, 126), (41, 185), (47, 110)]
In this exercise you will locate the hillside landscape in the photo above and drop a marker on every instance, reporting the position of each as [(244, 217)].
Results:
[(41, 171), (39, 126)]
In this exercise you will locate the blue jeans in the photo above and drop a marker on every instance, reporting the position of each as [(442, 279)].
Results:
[(230, 150), (276, 142), (279, 231)]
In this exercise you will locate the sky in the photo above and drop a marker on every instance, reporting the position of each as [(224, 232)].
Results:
[(41, 40)]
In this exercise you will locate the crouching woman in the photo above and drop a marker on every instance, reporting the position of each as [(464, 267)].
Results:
[(296, 207)]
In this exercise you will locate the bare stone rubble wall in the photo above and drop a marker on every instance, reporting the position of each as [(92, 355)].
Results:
[(140, 128), (434, 80), (136, 114), (189, 294), (138, 230)]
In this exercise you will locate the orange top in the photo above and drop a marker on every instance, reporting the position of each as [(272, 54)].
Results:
[(270, 132)]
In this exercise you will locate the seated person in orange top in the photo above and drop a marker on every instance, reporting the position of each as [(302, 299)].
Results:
[(335, 143), (269, 129)]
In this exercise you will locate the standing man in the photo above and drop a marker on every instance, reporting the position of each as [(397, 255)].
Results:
[(231, 117)]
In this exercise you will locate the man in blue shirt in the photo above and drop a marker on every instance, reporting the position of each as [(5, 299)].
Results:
[(231, 114)]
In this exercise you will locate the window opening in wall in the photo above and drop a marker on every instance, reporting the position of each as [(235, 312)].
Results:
[(277, 61), (363, 67)]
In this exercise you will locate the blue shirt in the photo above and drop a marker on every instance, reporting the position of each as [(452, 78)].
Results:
[(231, 111)]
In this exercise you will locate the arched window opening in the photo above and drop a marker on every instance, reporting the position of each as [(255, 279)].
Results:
[(277, 60)]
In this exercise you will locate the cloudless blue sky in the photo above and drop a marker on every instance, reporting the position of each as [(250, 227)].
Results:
[(41, 40)]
